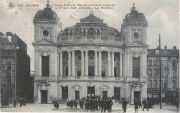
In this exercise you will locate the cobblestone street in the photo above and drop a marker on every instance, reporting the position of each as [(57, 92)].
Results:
[(63, 108)]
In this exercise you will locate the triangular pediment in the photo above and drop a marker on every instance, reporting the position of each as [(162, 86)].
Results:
[(137, 43), (45, 41)]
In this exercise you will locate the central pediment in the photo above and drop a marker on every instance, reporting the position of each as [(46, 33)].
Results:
[(91, 19), (137, 43)]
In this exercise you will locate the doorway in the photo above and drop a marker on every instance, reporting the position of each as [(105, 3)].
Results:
[(104, 94), (44, 96), (64, 93), (137, 95), (91, 91), (76, 95)]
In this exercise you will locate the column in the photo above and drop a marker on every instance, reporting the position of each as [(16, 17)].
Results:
[(69, 63), (99, 63), (86, 62), (112, 64), (95, 63), (82, 62), (61, 63), (73, 63), (109, 67), (120, 73)]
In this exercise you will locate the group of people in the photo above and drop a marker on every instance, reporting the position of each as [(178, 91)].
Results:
[(92, 104), (137, 104), (22, 101)]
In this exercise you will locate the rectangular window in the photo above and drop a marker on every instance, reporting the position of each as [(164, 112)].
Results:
[(64, 93), (174, 64), (154, 62), (149, 63), (45, 65), (136, 67)]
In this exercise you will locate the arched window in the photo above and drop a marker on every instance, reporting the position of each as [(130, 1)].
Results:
[(174, 84), (150, 84), (155, 84)]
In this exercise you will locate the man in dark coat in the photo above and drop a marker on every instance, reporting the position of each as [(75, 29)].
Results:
[(145, 104), (102, 105), (75, 104), (14, 102), (136, 105), (86, 106), (20, 102), (124, 105), (140, 104)]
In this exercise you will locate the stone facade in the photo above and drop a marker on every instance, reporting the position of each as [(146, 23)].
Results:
[(89, 58)]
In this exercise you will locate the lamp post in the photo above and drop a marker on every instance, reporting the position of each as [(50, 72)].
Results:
[(160, 89)]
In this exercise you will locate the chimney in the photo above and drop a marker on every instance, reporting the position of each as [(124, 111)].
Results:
[(165, 47), (174, 47)]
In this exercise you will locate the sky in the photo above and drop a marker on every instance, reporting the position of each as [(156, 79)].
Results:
[(162, 17)]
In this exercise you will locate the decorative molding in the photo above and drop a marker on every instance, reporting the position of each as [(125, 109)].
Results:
[(136, 52), (43, 83), (136, 84), (45, 50)]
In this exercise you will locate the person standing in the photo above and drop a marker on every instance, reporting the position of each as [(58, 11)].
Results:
[(145, 104), (102, 105), (86, 106), (136, 105), (124, 105), (14, 102), (75, 104), (140, 104), (20, 102)]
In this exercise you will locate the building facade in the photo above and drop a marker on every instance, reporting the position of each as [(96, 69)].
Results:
[(15, 69), (169, 74), (89, 58)]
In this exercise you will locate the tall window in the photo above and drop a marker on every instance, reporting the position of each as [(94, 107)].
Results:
[(149, 84), (174, 63), (150, 72), (45, 65), (150, 63), (165, 84), (173, 84), (154, 83), (154, 62), (174, 73), (136, 67)]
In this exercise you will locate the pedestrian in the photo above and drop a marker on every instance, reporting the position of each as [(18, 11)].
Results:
[(14, 102), (75, 104), (68, 103), (20, 101), (57, 104), (71, 104), (106, 107), (102, 105), (124, 105), (86, 106), (145, 104), (24, 101), (140, 105), (136, 105), (54, 104), (111, 103)]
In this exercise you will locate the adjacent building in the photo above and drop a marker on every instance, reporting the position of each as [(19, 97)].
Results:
[(169, 73), (15, 69), (89, 58)]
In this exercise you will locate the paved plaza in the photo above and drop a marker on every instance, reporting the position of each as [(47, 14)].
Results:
[(63, 108)]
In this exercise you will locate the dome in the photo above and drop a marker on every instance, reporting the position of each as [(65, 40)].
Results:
[(46, 15), (135, 17)]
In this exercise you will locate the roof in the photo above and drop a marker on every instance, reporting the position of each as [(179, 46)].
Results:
[(91, 19), (135, 17), (46, 15), (164, 52)]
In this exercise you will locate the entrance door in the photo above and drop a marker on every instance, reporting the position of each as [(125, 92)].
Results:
[(137, 95), (76, 95), (64, 93), (44, 96), (117, 93), (91, 91), (91, 71), (104, 94)]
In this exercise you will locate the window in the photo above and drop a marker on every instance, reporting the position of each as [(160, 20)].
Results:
[(165, 84), (149, 84), (150, 72), (174, 63), (71, 32), (45, 65), (155, 84), (149, 62), (155, 72), (154, 62), (84, 31), (136, 67), (164, 63), (174, 73), (173, 84), (98, 32)]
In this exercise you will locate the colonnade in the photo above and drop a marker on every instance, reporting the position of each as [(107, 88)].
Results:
[(84, 63)]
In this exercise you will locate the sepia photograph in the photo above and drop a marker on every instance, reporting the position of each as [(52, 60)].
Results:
[(113, 56)]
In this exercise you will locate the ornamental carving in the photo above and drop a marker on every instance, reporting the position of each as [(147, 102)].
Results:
[(136, 52), (77, 87), (43, 50), (136, 84), (44, 83)]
